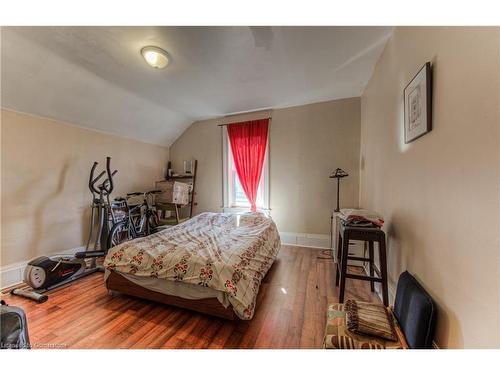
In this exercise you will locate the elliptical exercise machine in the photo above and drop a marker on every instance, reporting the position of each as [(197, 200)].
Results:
[(46, 273), (100, 205)]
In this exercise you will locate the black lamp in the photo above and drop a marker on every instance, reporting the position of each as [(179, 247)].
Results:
[(338, 174)]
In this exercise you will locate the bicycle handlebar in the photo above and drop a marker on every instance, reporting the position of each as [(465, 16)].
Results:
[(136, 193), (154, 192)]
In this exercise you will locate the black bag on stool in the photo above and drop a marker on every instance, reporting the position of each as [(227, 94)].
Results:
[(13, 328)]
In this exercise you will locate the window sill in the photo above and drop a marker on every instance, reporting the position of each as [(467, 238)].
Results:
[(235, 210)]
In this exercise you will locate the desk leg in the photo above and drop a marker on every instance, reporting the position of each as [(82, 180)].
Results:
[(343, 267)]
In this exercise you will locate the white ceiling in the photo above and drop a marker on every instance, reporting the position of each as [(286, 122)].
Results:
[(95, 77)]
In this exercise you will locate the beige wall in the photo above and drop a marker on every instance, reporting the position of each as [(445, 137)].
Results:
[(306, 144), (45, 166), (440, 194)]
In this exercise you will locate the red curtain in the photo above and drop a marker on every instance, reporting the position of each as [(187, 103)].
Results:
[(248, 143)]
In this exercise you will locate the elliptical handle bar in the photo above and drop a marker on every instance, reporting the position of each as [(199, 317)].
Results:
[(98, 177), (92, 180), (110, 175), (102, 187), (106, 181)]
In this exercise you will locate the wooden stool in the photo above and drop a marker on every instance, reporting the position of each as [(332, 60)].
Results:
[(370, 235)]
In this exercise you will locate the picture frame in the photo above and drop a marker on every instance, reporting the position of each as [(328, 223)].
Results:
[(418, 104)]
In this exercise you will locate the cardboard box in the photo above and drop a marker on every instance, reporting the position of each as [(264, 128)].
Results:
[(173, 192)]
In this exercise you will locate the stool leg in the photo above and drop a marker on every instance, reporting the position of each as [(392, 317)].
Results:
[(343, 267), (371, 256), (337, 256), (383, 271)]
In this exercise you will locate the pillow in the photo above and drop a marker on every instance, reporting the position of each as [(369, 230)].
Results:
[(371, 319)]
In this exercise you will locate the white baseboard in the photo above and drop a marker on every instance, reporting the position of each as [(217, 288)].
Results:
[(317, 241), (13, 274), (378, 288), (391, 289)]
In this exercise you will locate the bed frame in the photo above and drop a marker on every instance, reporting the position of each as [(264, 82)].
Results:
[(211, 306)]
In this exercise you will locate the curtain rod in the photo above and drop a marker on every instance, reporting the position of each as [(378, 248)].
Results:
[(229, 123)]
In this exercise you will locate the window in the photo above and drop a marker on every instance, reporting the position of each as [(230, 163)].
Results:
[(234, 196)]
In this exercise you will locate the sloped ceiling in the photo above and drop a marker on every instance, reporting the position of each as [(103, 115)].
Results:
[(95, 77)]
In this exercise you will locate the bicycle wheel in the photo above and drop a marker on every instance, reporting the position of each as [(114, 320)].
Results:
[(152, 222), (120, 232), (136, 218)]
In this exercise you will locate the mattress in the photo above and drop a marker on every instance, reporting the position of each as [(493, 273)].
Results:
[(174, 288), (225, 253)]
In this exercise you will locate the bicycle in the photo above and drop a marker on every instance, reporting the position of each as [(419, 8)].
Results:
[(139, 220), (123, 228)]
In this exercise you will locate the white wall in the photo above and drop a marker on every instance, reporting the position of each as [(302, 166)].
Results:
[(306, 144), (440, 193), (45, 196)]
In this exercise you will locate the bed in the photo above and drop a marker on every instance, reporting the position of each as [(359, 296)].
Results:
[(213, 263)]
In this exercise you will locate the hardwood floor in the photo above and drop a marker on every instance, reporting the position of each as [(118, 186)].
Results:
[(290, 312)]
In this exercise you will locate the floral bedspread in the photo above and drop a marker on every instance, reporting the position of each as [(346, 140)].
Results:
[(227, 252)]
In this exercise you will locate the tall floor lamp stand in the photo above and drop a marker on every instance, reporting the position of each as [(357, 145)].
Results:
[(338, 174)]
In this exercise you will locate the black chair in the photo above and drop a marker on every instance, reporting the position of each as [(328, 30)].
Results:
[(415, 311)]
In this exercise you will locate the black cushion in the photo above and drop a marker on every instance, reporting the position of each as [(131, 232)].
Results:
[(415, 311)]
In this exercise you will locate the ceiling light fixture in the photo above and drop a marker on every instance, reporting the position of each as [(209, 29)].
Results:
[(155, 57)]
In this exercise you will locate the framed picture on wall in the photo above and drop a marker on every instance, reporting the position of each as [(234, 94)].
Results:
[(418, 104)]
